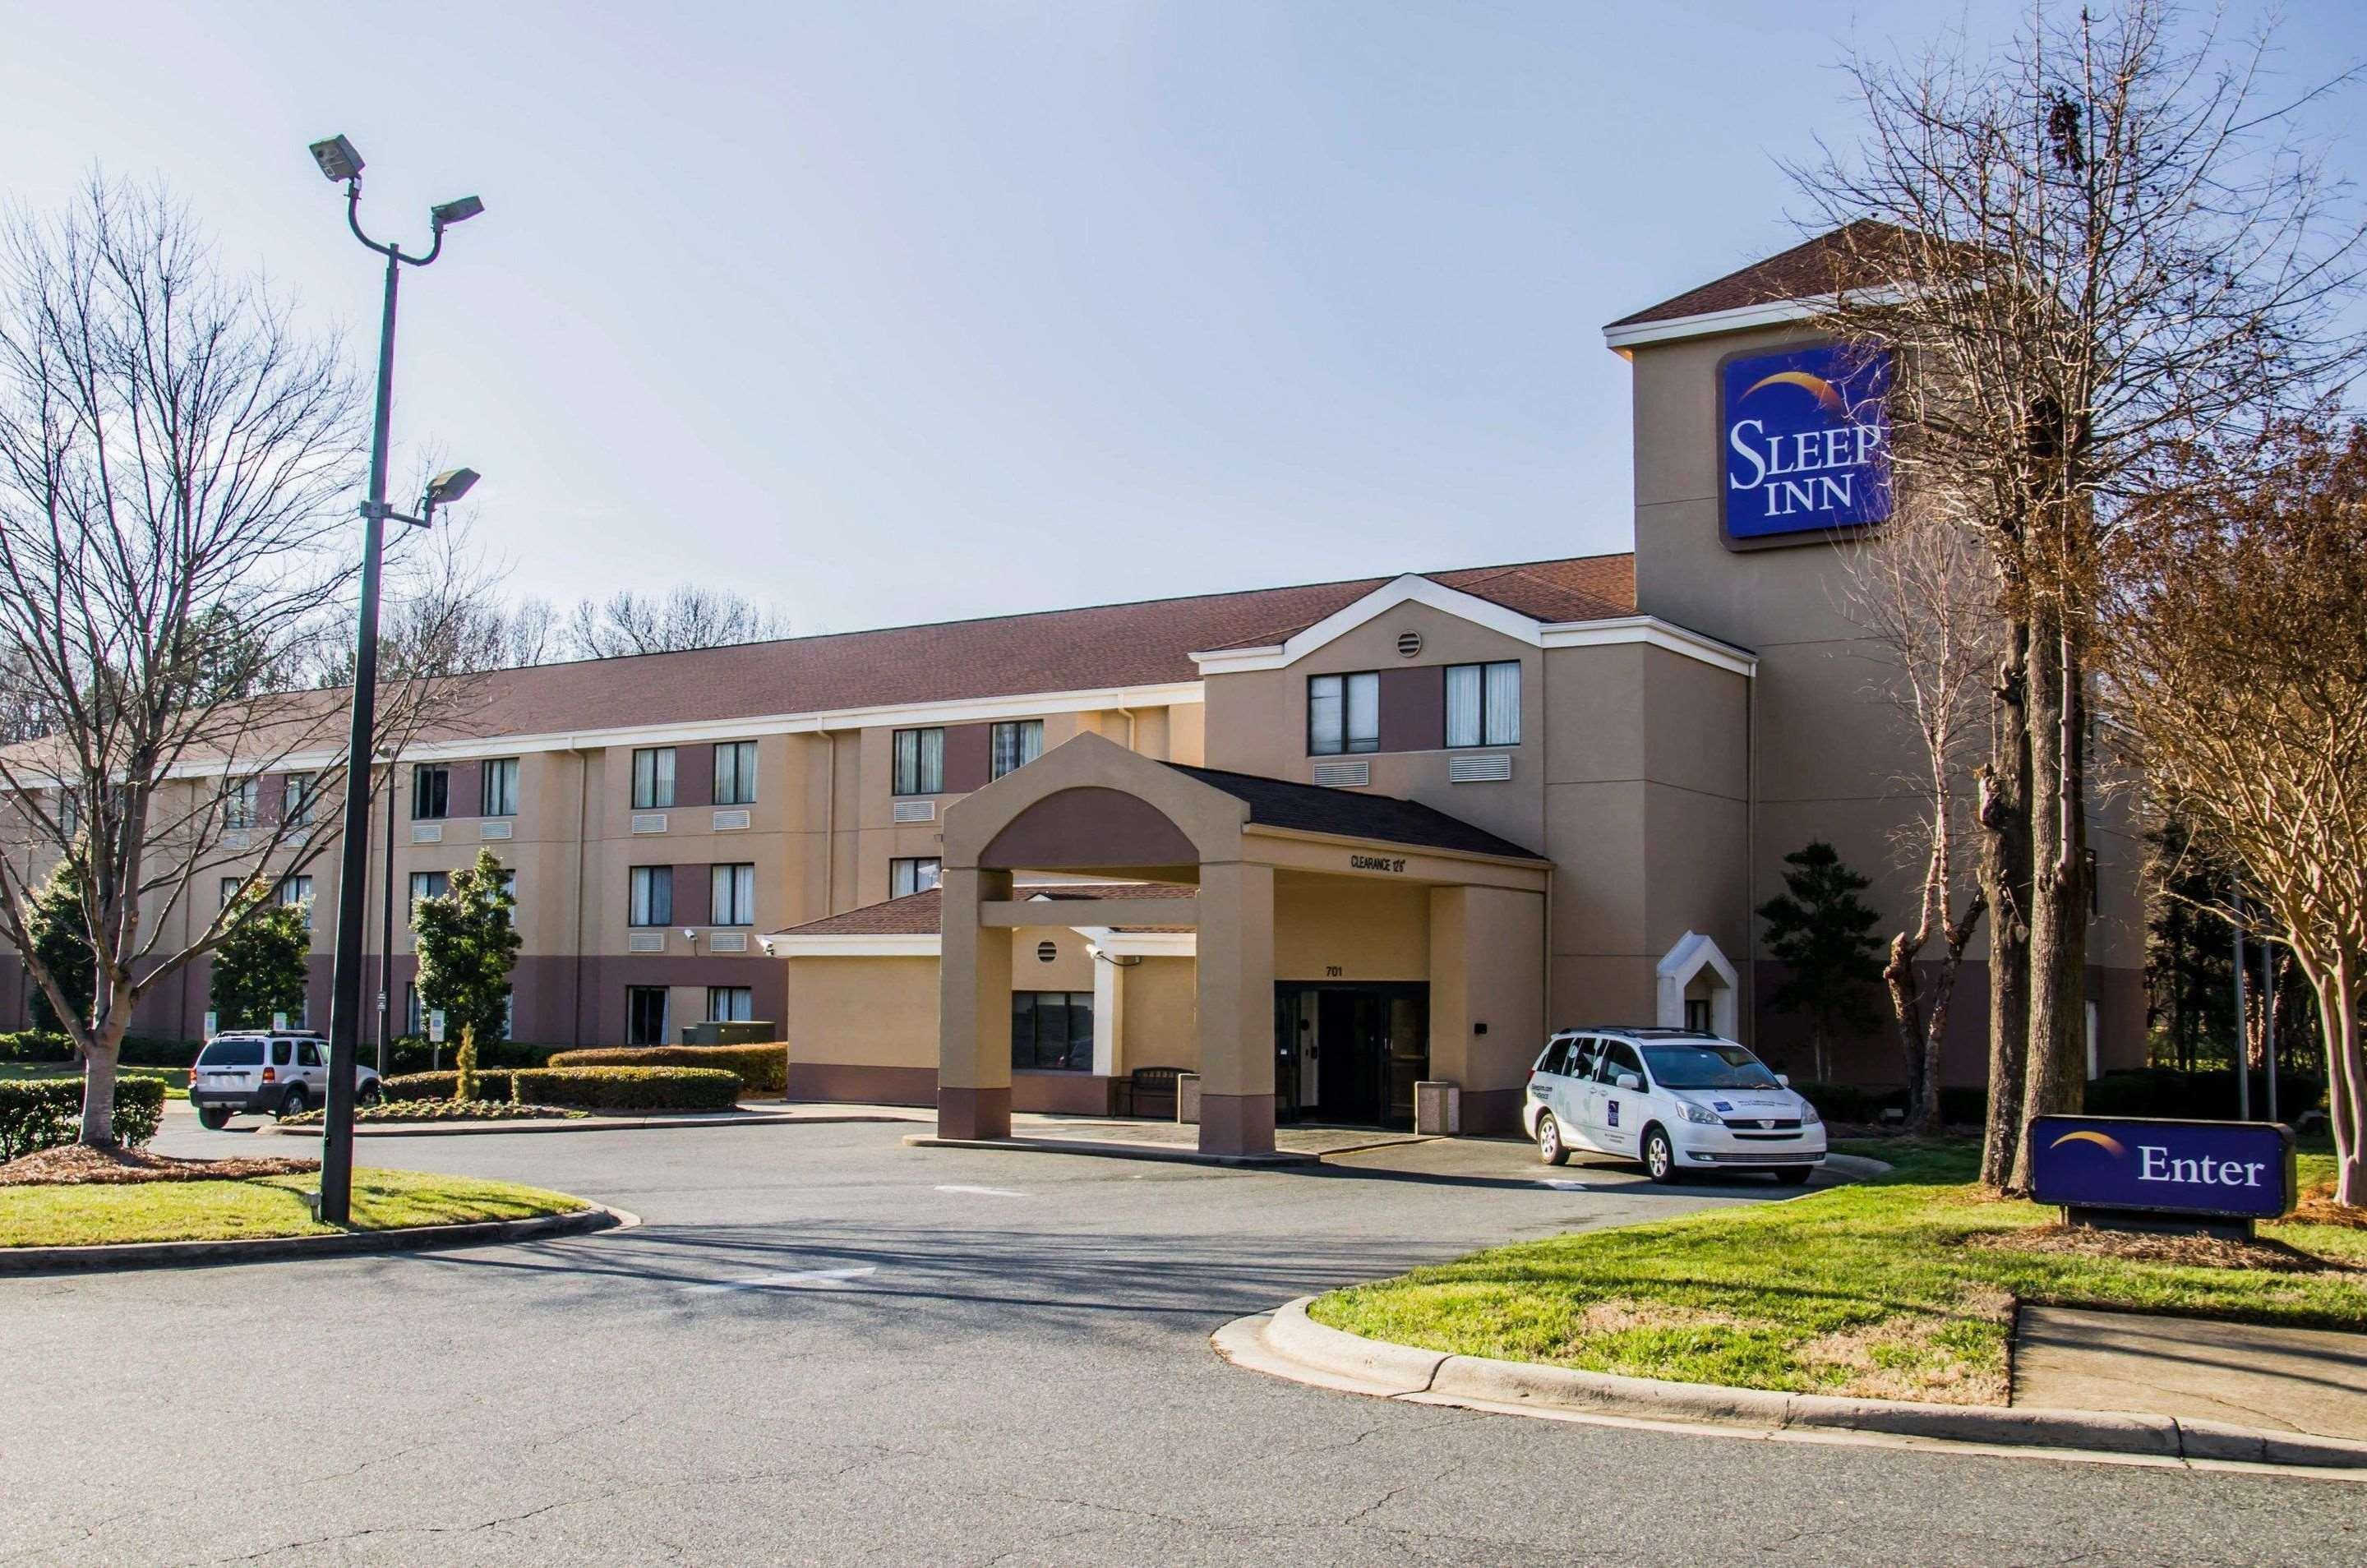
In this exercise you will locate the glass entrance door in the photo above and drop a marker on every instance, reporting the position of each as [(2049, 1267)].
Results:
[(1349, 1053)]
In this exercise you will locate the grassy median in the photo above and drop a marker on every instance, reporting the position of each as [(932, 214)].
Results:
[(84, 1214), (1900, 1287)]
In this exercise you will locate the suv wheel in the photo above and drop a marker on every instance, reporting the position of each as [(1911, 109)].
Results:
[(296, 1101), (1660, 1155), (370, 1093), (1550, 1148), (213, 1118)]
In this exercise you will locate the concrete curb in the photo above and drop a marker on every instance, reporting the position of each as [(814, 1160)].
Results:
[(262, 1250), (1106, 1149), (592, 1124), (1375, 1366)]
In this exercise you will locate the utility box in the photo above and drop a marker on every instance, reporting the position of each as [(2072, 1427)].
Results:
[(1437, 1107), (749, 1032), (1187, 1099)]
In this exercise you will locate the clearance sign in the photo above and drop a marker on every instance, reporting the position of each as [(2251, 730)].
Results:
[(1805, 435)]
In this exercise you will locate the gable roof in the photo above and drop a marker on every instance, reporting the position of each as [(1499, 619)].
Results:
[(1350, 814), (1148, 643), (1851, 256)]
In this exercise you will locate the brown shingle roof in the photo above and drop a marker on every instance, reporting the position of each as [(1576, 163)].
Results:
[(1851, 256), (922, 914), (1142, 644), (1313, 808)]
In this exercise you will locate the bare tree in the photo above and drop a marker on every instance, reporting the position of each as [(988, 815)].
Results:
[(628, 622), (2238, 667), (1920, 589), (2095, 244), (174, 458)]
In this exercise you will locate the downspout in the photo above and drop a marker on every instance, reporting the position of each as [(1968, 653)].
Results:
[(829, 828), (1129, 726), (582, 824), (1748, 1022)]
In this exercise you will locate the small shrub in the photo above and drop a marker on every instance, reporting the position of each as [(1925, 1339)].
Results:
[(631, 1088), (464, 1063), (42, 1114), (766, 1067), (36, 1045)]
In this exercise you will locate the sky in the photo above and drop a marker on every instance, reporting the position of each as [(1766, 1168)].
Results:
[(882, 312)]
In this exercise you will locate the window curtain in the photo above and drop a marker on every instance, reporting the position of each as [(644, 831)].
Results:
[(1326, 728), (1504, 704), (1464, 686)]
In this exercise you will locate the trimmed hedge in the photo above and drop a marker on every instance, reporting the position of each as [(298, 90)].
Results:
[(42, 1114), (2208, 1096), (766, 1067), (139, 1050), (588, 1088), (411, 1053), (1959, 1105)]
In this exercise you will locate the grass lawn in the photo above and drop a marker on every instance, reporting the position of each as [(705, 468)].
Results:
[(1894, 1287), (87, 1214), (177, 1079)]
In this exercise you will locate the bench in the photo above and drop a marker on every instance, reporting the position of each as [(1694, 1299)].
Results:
[(1147, 1091)]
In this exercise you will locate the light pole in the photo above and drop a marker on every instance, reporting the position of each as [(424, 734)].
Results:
[(339, 160)]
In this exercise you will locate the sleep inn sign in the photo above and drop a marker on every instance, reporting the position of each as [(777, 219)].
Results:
[(1805, 437)]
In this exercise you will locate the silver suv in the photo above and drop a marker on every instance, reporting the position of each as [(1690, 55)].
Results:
[(275, 1072)]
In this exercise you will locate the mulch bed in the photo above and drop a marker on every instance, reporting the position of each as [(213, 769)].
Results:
[(78, 1163), (2150, 1247), (2317, 1207)]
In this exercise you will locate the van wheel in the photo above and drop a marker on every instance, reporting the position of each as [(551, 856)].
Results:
[(1660, 1155), (1550, 1148), (296, 1103), (1793, 1174), (213, 1118)]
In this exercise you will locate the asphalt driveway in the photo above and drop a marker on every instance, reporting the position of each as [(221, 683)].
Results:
[(826, 1348)]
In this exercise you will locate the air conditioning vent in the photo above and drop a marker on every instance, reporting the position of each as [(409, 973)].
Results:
[(494, 830), (645, 941), (1344, 775), (649, 822), (427, 832), (915, 811), (1491, 768), (727, 941), (727, 821), (234, 839)]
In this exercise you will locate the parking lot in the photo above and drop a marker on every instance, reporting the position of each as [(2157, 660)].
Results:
[(824, 1346)]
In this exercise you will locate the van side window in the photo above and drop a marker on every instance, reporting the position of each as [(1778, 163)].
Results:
[(1617, 1058), (280, 1053), (1585, 1055)]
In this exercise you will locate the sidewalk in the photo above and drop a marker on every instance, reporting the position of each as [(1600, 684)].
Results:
[(2310, 1382)]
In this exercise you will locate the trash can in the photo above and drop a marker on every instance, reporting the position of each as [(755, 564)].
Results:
[(1438, 1108)]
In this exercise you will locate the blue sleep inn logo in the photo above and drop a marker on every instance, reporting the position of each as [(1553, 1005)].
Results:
[(1805, 434)]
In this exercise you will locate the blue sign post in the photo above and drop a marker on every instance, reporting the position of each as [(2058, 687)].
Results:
[(2134, 1171), (1805, 438)]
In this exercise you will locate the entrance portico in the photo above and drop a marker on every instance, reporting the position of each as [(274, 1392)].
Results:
[(1464, 912)]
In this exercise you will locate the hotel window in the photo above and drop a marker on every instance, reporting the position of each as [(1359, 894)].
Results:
[(1483, 703), (230, 887), (497, 788), (652, 778), (731, 900), (920, 761), (1344, 714), (1016, 744), (645, 1010), (428, 884), (296, 890), (730, 1004), (652, 902), (914, 873), (431, 792), (415, 1017), (238, 804), (296, 792), (508, 880), (1052, 1031), (735, 773)]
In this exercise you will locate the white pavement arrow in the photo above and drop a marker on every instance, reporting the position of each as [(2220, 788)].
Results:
[(985, 1192), (801, 1279)]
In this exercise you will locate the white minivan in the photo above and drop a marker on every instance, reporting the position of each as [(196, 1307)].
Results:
[(1672, 1099)]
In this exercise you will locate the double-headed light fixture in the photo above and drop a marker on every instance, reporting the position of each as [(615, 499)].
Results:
[(339, 160)]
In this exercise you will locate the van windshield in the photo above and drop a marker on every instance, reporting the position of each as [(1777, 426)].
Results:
[(1708, 1067), (232, 1054)]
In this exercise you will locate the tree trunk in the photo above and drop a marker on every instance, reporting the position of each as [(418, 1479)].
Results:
[(2058, 1063), (1907, 1016), (98, 1075), (2346, 1073), (2005, 884)]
